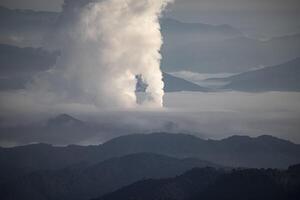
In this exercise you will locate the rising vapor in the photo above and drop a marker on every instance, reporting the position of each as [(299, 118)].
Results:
[(104, 45)]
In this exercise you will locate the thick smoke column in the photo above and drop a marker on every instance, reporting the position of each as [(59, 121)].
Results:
[(105, 45)]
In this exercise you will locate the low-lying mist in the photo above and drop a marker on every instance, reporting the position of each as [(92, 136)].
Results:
[(207, 115)]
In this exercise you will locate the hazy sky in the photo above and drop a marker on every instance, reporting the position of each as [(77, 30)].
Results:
[(180, 5), (49, 5), (255, 17), (231, 5)]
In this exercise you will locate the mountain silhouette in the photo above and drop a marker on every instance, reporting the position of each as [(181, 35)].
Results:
[(64, 120), (84, 181), (283, 77), (208, 183), (236, 151), (172, 84), (233, 55), (216, 48)]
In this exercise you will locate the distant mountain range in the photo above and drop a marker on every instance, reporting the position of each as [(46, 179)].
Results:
[(25, 27), (12, 19), (194, 47), (283, 77), (173, 26), (173, 84), (208, 183), (64, 120), (16, 61), (176, 32), (236, 151), (18, 65), (232, 55), (52, 130)]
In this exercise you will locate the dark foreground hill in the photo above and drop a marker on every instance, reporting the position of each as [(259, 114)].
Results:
[(83, 181), (211, 184)]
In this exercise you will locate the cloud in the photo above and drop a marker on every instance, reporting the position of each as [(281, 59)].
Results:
[(200, 78), (207, 115), (104, 45)]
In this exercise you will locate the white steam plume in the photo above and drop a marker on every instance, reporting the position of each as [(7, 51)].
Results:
[(105, 45)]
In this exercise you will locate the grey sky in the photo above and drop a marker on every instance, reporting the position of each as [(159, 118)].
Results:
[(232, 5), (49, 5), (255, 17), (182, 5)]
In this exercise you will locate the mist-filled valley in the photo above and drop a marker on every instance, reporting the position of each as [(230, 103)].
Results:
[(149, 100)]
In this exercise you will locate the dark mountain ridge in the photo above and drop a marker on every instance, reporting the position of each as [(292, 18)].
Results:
[(283, 77), (238, 151), (84, 181), (208, 183)]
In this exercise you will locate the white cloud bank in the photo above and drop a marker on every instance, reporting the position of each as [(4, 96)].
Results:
[(207, 115)]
